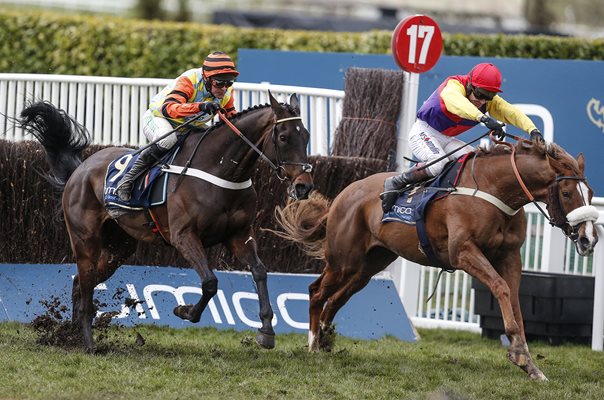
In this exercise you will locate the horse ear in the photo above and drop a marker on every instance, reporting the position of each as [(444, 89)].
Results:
[(293, 101), (581, 161), (274, 103)]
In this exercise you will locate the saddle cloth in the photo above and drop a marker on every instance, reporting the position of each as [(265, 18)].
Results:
[(411, 204), (149, 189)]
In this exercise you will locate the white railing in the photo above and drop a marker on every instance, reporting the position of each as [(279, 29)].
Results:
[(110, 108), (113, 118)]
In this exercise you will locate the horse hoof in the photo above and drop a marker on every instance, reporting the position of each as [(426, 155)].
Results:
[(538, 376), (182, 312), (265, 340)]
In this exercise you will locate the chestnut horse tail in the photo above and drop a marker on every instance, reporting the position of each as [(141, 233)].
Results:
[(304, 222), (62, 137)]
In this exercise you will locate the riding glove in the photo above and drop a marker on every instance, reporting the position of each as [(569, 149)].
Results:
[(494, 125), (209, 107), (536, 136)]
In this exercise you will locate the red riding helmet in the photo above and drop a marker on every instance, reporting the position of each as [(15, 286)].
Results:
[(486, 76), (219, 63)]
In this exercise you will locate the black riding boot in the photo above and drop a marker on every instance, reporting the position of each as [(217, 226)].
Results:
[(395, 183), (144, 161)]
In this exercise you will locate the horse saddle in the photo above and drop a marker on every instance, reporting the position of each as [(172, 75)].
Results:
[(149, 189), (412, 202)]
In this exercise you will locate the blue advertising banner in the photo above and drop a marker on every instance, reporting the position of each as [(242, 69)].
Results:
[(147, 295), (565, 98)]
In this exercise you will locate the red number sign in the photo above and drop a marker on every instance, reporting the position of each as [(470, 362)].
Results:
[(417, 43)]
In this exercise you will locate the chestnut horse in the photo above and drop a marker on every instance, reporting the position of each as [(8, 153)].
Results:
[(197, 214), (466, 232)]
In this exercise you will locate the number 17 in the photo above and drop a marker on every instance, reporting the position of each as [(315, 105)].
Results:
[(415, 32)]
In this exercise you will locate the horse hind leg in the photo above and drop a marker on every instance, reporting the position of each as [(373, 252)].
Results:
[(90, 274), (328, 294), (317, 298)]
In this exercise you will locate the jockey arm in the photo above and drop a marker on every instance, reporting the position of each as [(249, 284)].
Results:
[(229, 107), (176, 104), (510, 114), (454, 97)]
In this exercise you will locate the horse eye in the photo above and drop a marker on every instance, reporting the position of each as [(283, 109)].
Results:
[(566, 194), (283, 137)]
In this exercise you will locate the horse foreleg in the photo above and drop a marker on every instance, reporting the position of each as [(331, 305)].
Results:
[(244, 249), (518, 352), (471, 259), (192, 250)]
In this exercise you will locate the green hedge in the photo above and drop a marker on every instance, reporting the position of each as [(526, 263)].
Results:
[(39, 42)]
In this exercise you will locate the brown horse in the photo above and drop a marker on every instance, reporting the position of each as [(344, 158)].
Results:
[(197, 214), (466, 232)]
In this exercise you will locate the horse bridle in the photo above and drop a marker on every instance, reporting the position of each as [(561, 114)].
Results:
[(279, 168), (569, 223)]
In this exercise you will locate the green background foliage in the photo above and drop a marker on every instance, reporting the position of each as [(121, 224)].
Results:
[(49, 43)]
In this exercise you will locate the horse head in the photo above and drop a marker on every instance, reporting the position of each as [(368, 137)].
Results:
[(569, 199), (288, 147)]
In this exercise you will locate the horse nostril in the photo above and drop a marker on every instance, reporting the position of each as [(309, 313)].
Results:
[(302, 190), (584, 242)]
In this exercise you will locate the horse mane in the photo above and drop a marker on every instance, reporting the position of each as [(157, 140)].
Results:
[(247, 111), (555, 153)]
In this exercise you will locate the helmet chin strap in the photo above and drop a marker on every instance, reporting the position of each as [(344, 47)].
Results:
[(208, 86)]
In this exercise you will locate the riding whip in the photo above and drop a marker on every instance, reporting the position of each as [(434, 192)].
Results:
[(165, 135), (452, 152)]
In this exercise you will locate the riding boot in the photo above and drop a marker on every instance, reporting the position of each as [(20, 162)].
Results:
[(146, 158), (395, 183)]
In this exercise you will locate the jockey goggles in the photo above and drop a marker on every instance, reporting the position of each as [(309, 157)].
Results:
[(482, 94), (220, 83)]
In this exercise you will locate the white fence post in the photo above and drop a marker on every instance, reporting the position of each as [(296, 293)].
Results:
[(597, 333)]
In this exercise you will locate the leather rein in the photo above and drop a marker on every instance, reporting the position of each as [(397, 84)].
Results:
[(569, 223), (278, 168)]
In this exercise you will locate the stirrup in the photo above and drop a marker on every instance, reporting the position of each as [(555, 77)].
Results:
[(385, 192)]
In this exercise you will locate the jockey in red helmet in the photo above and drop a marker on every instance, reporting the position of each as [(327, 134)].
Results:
[(197, 91), (458, 104)]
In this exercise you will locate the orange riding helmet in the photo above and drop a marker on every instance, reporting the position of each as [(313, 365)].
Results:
[(219, 63), (486, 76)]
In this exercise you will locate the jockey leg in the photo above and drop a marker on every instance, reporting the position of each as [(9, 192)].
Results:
[(145, 160), (427, 144), (153, 128), (395, 183)]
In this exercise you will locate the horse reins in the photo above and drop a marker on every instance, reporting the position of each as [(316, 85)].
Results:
[(279, 170), (573, 234), (527, 192)]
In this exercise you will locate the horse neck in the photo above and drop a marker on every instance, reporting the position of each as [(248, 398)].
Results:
[(496, 176), (224, 154)]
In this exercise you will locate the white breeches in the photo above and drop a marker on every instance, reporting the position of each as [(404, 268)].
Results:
[(155, 127), (428, 144)]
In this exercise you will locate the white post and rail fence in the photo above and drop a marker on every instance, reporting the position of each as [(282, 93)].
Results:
[(111, 108)]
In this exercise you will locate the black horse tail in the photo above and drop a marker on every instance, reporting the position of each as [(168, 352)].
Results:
[(304, 222), (62, 137)]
